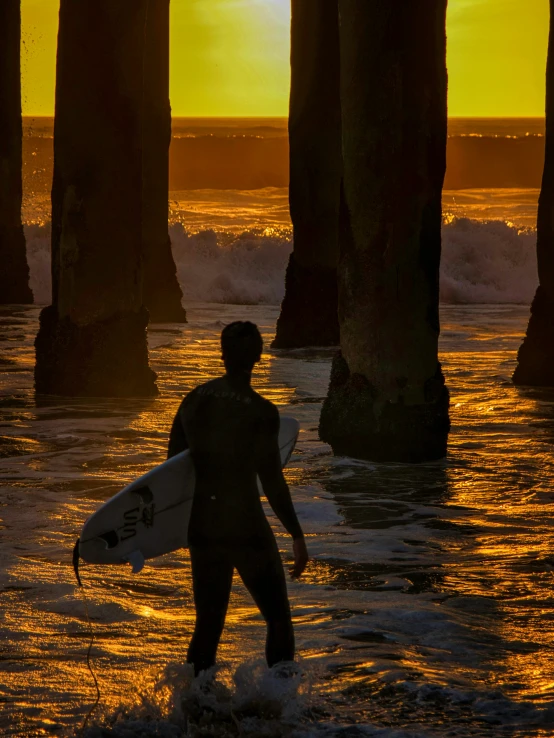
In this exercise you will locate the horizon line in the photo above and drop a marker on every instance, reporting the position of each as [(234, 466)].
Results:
[(285, 117)]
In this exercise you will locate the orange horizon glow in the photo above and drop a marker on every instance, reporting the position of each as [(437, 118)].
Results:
[(232, 59)]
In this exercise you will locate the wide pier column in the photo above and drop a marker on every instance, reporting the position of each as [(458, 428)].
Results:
[(387, 398), (536, 354), (92, 339), (14, 272), (162, 293), (309, 310)]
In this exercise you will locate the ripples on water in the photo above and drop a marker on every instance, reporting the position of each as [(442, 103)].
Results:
[(427, 607)]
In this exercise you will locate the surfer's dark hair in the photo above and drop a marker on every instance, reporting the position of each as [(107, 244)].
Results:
[(241, 345)]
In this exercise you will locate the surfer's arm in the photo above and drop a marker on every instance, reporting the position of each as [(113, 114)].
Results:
[(177, 438), (273, 481)]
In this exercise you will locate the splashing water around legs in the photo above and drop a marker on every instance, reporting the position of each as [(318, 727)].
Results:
[(250, 701)]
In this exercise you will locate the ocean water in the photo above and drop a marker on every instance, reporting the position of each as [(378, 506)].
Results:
[(427, 607), (237, 153), (231, 232)]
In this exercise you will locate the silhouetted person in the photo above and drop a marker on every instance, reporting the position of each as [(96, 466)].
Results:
[(232, 433)]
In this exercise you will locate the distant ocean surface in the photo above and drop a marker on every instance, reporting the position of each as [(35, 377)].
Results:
[(249, 153), (230, 225)]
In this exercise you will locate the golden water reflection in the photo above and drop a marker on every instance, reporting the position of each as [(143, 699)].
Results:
[(428, 577)]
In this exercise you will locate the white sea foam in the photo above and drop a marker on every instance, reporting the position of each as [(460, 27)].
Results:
[(249, 701), (38, 258), (245, 269), (483, 262), (488, 262), (255, 701)]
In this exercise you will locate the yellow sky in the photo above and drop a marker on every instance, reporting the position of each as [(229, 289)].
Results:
[(230, 57)]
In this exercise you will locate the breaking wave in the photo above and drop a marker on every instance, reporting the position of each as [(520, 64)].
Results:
[(483, 262), (488, 262), (245, 269)]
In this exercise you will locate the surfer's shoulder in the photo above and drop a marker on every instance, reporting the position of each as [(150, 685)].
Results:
[(208, 387), (267, 409), (196, 393), (221, 390)]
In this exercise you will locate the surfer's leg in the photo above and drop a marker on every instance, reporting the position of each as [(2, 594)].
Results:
[(212, 576), (263, 575)]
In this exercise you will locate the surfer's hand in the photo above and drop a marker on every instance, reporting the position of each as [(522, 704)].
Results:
[(300, 557)]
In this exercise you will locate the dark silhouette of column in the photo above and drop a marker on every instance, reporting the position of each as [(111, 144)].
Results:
[(309, 310), (92, 339), (387, 399), (162, 293), (14, 272), (536, 354)]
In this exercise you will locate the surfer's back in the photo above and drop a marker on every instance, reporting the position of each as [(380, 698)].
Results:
[(229, 429)]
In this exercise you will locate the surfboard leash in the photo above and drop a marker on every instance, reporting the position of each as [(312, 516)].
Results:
[(76, 556)]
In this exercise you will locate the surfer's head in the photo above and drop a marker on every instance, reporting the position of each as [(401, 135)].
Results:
[(241, 346)]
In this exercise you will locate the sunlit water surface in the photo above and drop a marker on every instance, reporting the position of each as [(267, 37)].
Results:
[(426, 610)]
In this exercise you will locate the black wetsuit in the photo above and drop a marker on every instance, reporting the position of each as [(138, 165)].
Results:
[(232, 433)]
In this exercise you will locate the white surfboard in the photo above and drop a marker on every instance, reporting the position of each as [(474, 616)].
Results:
[(150, 516)]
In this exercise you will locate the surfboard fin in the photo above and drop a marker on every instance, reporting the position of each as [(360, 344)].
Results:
[(136, 559)]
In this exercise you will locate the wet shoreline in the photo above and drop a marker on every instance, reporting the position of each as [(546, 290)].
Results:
[(426, 609)]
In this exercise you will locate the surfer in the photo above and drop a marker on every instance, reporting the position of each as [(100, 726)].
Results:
[(232, 433)]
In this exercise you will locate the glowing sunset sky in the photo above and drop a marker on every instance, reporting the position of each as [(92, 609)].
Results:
[(230, 57)]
